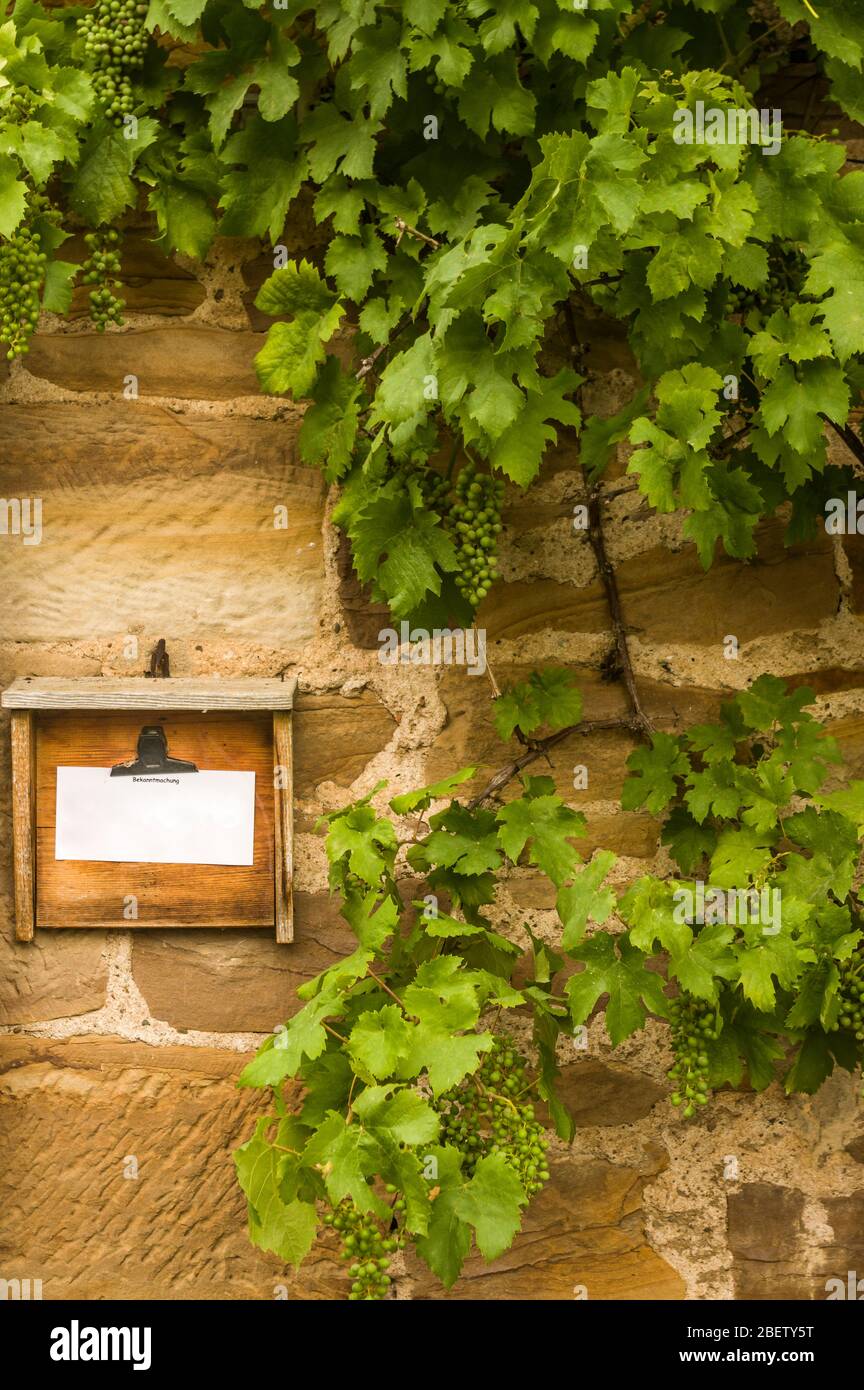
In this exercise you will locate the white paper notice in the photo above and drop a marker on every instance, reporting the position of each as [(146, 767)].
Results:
[(179, 818)]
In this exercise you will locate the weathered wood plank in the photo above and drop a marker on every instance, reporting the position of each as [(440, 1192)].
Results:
[(283, 782), (139, 693), (24, 822)]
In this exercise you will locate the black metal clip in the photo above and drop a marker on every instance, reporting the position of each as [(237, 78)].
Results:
[(152, 756)]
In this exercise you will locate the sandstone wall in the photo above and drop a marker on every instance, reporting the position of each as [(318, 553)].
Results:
[(158, 522)]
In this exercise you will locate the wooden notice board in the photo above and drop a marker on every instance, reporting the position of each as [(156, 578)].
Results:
[(218, 726)]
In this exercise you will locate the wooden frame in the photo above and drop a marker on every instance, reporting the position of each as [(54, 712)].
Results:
[(216, 718)]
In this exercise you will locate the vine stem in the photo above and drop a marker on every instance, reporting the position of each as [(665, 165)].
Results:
[(405, 229), (849, 437), (639, 720), (387, 990), (367, 363), (608, 578), (541, 748)]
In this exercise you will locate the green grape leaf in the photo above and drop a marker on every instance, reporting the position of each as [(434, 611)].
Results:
[(379, 1040), (464, 841), (839, 269), (303, 1036), (705, 960), (653, 772), (338, 143), (585, 899), (287, 1229), (614, 967), (848, 802), (329, 429), (774, 956), (540, 819), (423, 798), (445, 1056), (353, 260), (715, 791), (519, 449), (59, 283), (102, 187), (184, 216), (813, 1064), (548, 698), (740, 856), (447, 1242), (796, 402), (406, 1116), (491, 1202), (689, 842), (346, 1154)]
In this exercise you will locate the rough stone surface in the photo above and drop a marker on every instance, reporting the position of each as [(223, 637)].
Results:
[(669, 598), (783, 1248), (217, 365), (596, 1093), (151, 283), (336, 736), (119, 546), (49, 977), (75, 1117), (243, 982)]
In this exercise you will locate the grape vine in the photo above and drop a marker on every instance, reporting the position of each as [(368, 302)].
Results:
[(426, 1125), (478, 175)]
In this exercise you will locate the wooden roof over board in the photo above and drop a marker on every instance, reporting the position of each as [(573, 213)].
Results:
[(139, 692)]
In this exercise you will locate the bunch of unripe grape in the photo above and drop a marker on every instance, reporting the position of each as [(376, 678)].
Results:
[(850, 995), (20, 105), (694, 1024), (475, 519), (492, 1112), (101, 268), (115, 43), (366, 1251), (22, 271), (434, 486), (787, 269)]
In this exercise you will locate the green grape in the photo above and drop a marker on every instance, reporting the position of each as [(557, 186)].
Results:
[(434, 486), (22, 272), (115, 44), (20, 106), (475, 521), (101, 269), (850, 997), (787, 271), (364, 1249), (694, 1024), (492, 1112)]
